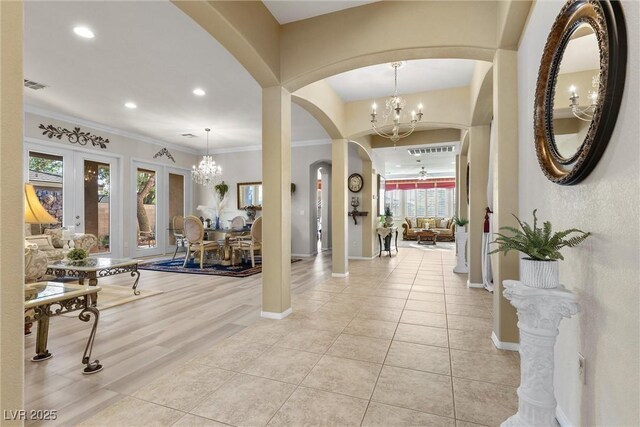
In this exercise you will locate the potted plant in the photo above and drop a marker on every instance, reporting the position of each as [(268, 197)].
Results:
[(388, 216), (461, 224), (77, 256), (221, 190), (539, 269)]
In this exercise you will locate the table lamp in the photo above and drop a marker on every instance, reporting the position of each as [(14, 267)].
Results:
[(34, 212)]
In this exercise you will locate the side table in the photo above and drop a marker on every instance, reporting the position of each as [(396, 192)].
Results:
[(386, 233), (539, 314), (44, 300)]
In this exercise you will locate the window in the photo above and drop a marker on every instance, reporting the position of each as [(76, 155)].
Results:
[(410, 203), (393, 199), (421, 203)]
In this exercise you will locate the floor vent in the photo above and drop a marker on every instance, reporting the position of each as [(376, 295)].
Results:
[(34, 85), (431, 150)]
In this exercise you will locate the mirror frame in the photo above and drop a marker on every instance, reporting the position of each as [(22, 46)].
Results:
[(238, 192), (607, 21)]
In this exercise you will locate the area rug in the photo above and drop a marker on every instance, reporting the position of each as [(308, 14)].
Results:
[(112, 296), (175, 266)]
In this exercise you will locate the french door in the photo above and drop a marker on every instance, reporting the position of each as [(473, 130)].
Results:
[(80, 189), (158, 193)]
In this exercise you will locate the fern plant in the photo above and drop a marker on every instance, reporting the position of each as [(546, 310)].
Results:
[(460, 221), (538, 243)]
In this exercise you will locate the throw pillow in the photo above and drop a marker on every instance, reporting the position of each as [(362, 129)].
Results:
[(409, 222), (443, 223), (43, 241), (432, 223), (420, 223), (56, 237)]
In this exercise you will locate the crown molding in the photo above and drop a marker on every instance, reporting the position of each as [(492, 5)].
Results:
[(296, 144), (105, 128)]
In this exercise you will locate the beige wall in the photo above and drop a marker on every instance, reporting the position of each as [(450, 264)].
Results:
[(603, 272), (478, 157), (11, 211)]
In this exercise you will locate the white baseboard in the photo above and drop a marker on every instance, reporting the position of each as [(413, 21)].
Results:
[(340, 274), (474, 285), (304, 255), (366, 258), (276, 316), (562, 418), (510, 346), (464, 269)]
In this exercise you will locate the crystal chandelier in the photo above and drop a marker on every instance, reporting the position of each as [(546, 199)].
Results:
[(585, 113), (422, 175), (207, 173), (393, 113)]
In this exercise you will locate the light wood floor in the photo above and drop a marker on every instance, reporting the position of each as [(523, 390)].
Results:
[(140, 342)]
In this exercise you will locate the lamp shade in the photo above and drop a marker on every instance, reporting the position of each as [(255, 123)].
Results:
[(34, 212)]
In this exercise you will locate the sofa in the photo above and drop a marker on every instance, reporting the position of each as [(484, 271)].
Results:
[(51, 243), (444, 226)]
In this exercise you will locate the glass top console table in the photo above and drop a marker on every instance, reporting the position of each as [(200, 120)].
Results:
[(94, 268), (44, 300)]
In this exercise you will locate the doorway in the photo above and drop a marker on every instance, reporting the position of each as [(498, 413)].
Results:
[(80, 189), (320, 206)]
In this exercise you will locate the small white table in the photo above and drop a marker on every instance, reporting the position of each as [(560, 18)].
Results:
[(385, 234), (44, 300)]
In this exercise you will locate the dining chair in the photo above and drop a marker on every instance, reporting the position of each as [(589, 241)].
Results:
[(252, 242), (194, 235), (177, 228), (238, 223)]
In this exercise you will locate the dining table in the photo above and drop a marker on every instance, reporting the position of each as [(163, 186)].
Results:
[(226, 236)]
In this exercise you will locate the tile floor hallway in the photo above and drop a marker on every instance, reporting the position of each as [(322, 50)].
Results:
[(401, 341)]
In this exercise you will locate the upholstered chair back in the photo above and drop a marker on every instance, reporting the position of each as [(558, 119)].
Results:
[(256, 230), (193, 229), (237, 223), (177, 224)]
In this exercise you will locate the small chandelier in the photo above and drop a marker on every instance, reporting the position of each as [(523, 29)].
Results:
[(422, 175), (585, 113), (207, 173), (393, 110)]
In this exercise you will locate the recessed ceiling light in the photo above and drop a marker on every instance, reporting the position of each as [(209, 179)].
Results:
[(130, 105), (397, 166), (84, 32), (199, 92)]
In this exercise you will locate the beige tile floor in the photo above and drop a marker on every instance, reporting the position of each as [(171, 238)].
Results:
[(401, 341)]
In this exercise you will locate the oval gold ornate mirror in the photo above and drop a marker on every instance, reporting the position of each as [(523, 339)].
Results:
[(579, 88)]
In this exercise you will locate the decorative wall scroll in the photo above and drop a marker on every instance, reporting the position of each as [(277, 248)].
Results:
[(164, 152), (74, 136)]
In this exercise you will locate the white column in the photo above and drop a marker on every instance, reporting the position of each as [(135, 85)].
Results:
[(461, 252), (539, 314)]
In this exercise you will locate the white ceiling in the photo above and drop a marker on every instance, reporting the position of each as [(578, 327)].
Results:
[(581, 54), (399, 164), (415, 76), (152, 54), (290, 11)]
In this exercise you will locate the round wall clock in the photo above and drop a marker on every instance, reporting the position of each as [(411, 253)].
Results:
[(355, 182)]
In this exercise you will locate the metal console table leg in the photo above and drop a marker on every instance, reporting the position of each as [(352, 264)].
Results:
[(85, 316)]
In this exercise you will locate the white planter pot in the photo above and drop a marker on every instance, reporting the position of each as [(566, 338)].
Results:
[(539, 274)]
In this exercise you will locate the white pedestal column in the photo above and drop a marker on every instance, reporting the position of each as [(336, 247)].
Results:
[(539, 314), (461, 244)]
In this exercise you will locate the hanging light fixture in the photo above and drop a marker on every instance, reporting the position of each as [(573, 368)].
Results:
[(392, 113), (585, 113), (422, 175), (207, 173)]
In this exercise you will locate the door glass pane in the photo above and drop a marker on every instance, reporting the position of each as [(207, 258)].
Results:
[(146, 204), (176, 203), (45, 173), (97, 203)]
